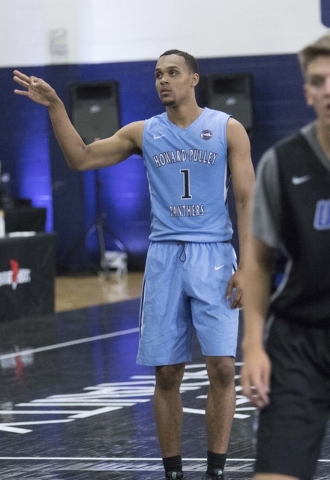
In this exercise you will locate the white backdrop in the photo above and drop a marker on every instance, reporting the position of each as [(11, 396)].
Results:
[(42, 32)]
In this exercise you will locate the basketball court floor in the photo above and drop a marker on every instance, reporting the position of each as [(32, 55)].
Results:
[(74, 404)]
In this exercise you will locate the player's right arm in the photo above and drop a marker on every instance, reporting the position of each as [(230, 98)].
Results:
[(78, 155), (256, 370)]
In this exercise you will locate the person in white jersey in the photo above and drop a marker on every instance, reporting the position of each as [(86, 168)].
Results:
[(191, 280)]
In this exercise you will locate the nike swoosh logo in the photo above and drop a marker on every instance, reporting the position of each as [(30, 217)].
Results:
[(218, 267), (300, 180), (157, 137)]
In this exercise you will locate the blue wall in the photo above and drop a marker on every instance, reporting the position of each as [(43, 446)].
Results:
[(29, 152)]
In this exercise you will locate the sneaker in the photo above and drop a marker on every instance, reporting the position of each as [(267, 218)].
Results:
[(215, 474), (175, 476)]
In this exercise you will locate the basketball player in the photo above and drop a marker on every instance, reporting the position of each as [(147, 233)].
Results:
[(287, 373), (191, 280)]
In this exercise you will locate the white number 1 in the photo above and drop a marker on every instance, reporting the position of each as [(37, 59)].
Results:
[(186, 184)]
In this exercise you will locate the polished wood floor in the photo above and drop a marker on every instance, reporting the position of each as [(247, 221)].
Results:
[(72, 293)]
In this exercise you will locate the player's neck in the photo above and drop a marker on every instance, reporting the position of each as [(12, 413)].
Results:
[(184, 115), (323, 137)]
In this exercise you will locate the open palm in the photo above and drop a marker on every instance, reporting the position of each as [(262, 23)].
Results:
[(36, 89)]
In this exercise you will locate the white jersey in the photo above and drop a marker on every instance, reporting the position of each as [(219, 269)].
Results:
[(188, 174)]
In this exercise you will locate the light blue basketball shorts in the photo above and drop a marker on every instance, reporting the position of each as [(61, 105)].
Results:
[(185, 288)]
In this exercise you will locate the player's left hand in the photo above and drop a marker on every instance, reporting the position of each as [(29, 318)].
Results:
[(234, 292)]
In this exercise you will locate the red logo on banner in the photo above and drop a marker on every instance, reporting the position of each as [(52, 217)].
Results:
[(14, 265), (16, 275)]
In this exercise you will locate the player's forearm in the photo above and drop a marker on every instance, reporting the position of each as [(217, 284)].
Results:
[(255, 313), (257, 277), (243, 214), (71, 144)]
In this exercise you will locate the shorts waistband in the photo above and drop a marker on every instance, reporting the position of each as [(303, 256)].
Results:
[(180, 242)]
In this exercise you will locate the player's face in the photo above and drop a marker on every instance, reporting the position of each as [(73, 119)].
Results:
[(174, 81), (317, 88)]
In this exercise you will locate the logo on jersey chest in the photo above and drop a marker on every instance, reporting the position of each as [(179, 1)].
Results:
[(206, 134)]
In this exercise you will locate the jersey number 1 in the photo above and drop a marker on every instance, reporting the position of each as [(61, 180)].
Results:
[(186, 184)]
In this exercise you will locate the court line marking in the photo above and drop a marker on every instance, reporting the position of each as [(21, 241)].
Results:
[(68, 344), (92, 339), (128, 459), (120, 459)]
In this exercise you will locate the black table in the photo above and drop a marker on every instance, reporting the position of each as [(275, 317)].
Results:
[(27, 275), (25, 219)]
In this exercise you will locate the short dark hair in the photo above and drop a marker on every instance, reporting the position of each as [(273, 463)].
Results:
[(320, 47), (189, 59)]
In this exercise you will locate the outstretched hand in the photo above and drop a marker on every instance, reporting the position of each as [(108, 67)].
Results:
[(36, 89)]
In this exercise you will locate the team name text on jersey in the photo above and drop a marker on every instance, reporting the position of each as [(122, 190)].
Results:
[(193, 155)]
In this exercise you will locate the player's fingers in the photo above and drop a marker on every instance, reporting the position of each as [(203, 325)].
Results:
[(237, 296)]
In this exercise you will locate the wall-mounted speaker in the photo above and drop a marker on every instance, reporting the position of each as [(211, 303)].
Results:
[(95, 109), (325, 12), (231, 93)]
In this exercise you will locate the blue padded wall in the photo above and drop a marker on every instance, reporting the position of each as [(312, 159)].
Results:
[(29, 152)]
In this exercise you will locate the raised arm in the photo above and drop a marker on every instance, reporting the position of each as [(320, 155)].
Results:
[(112, 150), (243, 180)]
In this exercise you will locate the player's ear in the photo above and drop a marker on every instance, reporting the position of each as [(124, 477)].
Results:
[(195, 79)]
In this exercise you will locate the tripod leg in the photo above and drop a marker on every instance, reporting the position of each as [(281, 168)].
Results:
[(100, 233)]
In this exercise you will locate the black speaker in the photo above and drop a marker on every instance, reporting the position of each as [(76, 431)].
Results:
[(230, 93), (95, 109), (325, 12)]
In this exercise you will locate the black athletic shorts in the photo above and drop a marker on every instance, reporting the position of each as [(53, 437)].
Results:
[(291, 428)]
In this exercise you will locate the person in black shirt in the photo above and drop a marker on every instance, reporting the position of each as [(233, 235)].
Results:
[(286, 343)]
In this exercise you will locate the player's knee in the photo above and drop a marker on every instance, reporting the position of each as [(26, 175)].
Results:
[(169, 377), (222, 372)]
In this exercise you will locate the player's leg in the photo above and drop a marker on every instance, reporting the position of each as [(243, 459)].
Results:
[(221, 401), (168, 408), (165, 342), (217, 330)]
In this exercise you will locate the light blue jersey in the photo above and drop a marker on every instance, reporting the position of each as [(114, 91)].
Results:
[(188, 173), (190, 259)]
